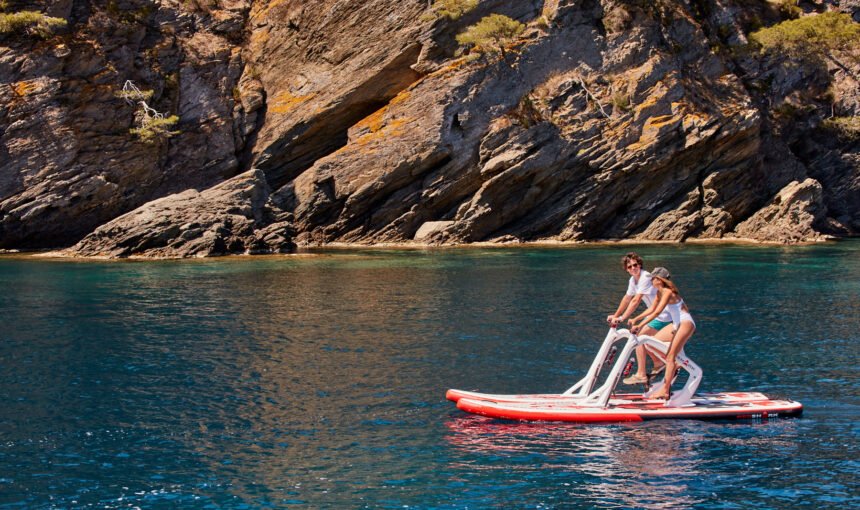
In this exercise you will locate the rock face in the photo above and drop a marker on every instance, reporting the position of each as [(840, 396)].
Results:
[(233, 217), (69, 163), (790, 217), (358, 122)]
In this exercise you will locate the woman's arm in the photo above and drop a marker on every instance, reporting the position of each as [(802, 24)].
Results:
[(650, 310)]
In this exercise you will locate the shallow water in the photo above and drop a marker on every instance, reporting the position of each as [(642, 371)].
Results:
[(319, 381)]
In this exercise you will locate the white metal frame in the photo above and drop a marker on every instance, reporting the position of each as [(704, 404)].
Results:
[(590, 397)]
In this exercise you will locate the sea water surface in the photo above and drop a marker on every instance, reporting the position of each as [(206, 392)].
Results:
[(319, 381)]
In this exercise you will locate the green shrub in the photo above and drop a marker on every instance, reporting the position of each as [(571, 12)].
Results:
[(809, 36), (453, 9), (152, 125), (845, 127), (492, 33), (621, 101), (129, 14), (428, 16), (526, 113), (30, 22), (134, 95), (153, 129), (792, 111)]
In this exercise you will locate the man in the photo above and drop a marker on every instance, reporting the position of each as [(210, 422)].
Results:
[(639, 289)]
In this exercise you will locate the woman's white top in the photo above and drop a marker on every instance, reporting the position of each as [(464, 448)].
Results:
[(678, 313), (648, 291)]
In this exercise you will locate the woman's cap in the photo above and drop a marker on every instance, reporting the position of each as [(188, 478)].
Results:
[(661, 272)]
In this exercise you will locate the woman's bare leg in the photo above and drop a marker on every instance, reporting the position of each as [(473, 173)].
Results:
[(685, 331), (664, 335)]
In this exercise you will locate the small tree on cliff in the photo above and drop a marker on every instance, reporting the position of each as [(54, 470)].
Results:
[(151, 125), (491, 34)]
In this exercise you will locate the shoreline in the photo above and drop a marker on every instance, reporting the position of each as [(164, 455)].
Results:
[(321, 250)]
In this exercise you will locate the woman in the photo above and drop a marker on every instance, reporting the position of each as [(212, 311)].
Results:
[(683, 325)]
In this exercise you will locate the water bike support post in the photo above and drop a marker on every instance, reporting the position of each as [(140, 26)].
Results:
[(584, 389)]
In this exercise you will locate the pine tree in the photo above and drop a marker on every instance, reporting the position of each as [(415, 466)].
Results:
[(492, 33)]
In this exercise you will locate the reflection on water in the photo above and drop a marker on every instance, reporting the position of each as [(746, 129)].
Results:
[(611, 465), (646, 465), (320, 381)]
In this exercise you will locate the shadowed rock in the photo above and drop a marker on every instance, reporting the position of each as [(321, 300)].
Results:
[(231, 218)]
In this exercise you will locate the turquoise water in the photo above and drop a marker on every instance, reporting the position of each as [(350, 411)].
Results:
[(319, 381)]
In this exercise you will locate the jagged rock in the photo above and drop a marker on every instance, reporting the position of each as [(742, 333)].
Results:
[(232, 217), (677, 223), (791, 216), (345, 76), (852, 7)]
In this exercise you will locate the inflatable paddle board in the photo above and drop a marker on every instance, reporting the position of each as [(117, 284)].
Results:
[(709, 408)]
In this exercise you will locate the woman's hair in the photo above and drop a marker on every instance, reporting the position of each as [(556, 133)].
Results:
[(668, 283), (631, 256)]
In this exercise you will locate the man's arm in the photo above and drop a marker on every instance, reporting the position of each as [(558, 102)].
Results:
[(623, 307), (631, 306)]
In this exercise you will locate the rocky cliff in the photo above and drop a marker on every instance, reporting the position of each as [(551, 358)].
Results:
[(364, 121)]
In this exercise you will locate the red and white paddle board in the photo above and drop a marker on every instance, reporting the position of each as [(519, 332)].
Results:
[(711, 406)]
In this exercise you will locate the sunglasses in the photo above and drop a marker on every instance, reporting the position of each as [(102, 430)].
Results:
[(631, 266)]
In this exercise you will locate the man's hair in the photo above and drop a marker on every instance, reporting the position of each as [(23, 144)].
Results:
[(631, 256)]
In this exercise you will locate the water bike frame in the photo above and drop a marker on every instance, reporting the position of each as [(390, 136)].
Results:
[(587, 396)]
